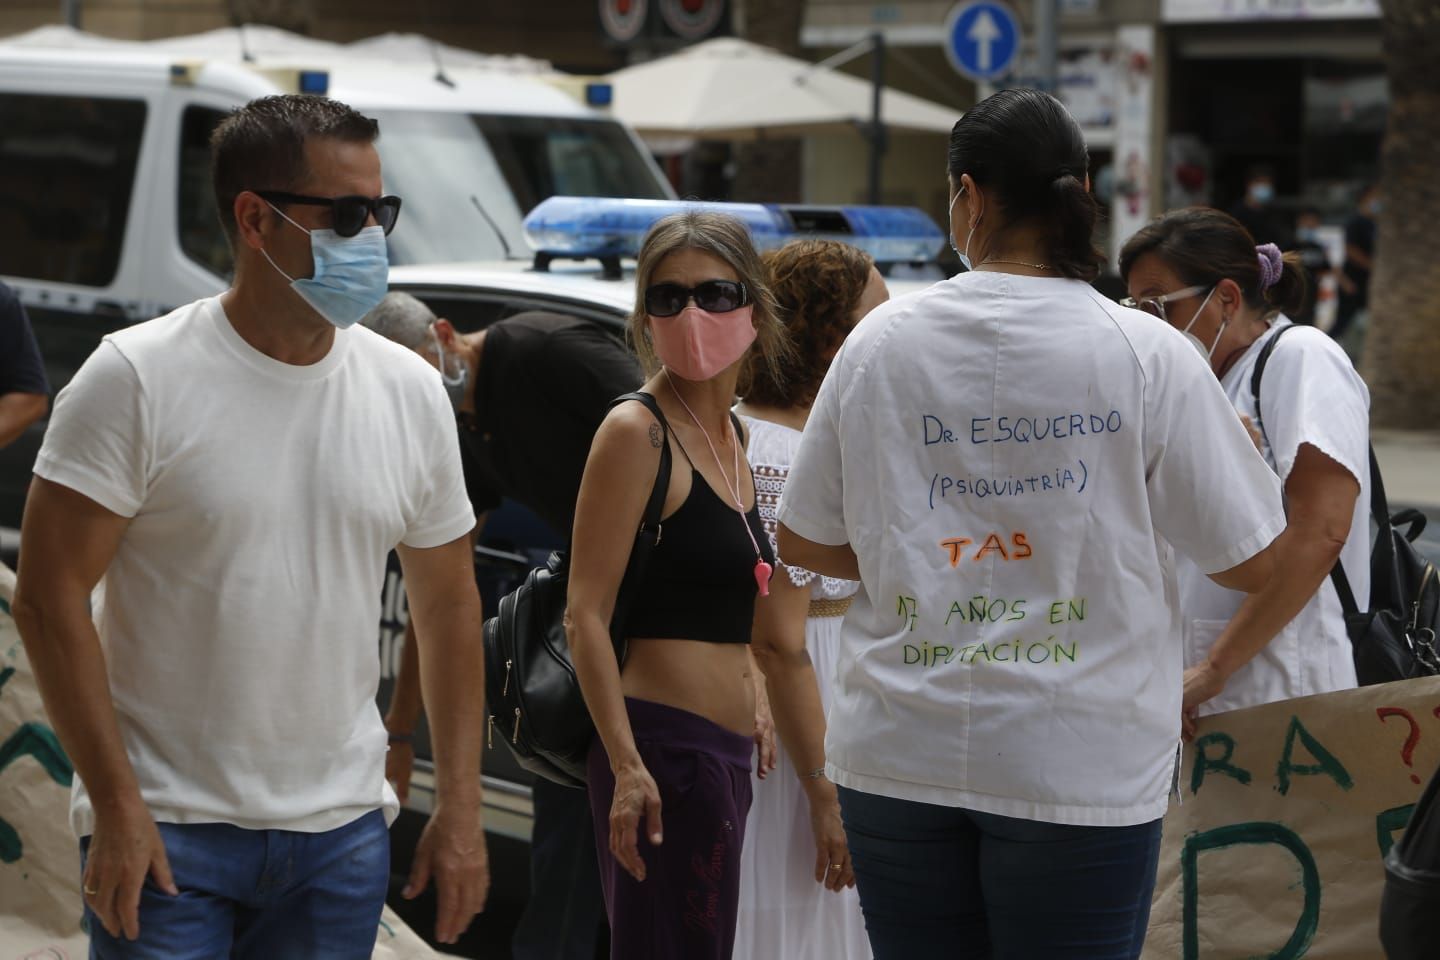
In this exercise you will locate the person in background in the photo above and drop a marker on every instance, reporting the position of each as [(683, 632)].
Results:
[(1006, 461), (1200, 271), (824, 289), (1314, 262), (528, 393), (237, 472), (669, 772), (1359, 261), (1256, 208), (24, 391)]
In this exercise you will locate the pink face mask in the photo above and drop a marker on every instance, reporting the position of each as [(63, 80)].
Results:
[(696, 344)]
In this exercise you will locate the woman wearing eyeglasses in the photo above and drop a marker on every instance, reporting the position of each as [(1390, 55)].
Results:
[(669, 773), (1200, 271), (1004, 460)]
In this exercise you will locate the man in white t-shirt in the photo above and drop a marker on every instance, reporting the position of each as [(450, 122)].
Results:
[(232, 476)]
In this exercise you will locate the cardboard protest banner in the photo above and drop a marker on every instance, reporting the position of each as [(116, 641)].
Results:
[(1274, 848), (40, 905)]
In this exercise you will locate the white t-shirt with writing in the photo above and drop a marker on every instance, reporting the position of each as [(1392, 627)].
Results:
[(239, 614), (1011, 458), (1311, 395)]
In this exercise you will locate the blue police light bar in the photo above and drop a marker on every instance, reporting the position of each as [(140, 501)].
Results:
[(608, 229), (599, 94), (315, 81)]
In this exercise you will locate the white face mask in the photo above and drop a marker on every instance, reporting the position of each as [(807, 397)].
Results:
[(964, 255), (1195, 341), (454, 383)]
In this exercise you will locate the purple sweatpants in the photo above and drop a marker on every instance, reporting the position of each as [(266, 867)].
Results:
[(685, 909)]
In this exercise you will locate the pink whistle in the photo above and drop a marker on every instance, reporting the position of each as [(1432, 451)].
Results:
[(762, 577)]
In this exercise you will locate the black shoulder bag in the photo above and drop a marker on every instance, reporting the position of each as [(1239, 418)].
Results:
[(1410, 905), (1395, 638), (531, 689)]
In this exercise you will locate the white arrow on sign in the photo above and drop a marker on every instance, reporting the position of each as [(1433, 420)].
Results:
[(983, 32)]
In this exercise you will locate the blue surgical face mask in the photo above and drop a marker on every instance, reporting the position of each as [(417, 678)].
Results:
[(1262, 192), (964, 255), (454, 383), (352, 274)]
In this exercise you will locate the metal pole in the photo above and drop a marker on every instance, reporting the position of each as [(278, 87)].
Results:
[(1046, 43), (70, 12), (877, 124)]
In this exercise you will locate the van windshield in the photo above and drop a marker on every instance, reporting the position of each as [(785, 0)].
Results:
[(467, 180)]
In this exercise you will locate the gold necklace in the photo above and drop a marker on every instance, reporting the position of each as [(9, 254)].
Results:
[(1018, 263)]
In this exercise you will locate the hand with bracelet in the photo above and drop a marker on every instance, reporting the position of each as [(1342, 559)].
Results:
[(832, 853), (778, 641)]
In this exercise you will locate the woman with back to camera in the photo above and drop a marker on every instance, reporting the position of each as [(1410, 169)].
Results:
[(997, 459), (669, 773), (1200, 270), (794, 842)]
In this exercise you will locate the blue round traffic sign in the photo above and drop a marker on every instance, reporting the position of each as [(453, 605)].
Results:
[(982, 38)]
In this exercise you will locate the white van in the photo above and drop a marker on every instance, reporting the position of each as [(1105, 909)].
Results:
[(107, 216)]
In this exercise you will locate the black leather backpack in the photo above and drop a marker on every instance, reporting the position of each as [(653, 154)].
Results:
[(531, 690), (1395, 638), (1410, 905)]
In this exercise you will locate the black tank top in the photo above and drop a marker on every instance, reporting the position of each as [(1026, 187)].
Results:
[(699, 581)]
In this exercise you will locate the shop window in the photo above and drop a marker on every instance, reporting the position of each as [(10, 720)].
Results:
[(1345, 112), (202, 237), (69, 167)]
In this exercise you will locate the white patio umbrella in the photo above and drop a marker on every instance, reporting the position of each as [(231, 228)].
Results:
[(730, 89), (416, 48)]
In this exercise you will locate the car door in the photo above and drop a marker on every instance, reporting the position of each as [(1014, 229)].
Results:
[(513, 541)]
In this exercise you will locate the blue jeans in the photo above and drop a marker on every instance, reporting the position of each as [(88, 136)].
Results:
[(260, 895), (945, 882)]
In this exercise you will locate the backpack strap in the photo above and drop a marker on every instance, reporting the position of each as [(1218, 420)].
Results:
[(649, 521), (656, 504), (1259, 373), (1379, 506)]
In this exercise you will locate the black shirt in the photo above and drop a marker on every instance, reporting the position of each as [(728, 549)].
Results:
[(545, 383), (1360, 233), (21, 370), (1263, 224), (1315, 263)]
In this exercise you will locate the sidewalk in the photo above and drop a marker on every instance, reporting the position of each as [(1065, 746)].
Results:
[(1410, 464)]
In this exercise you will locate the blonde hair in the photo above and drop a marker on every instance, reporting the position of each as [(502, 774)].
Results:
[(722, 236)]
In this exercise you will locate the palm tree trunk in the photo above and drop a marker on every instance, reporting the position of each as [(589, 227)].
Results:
[(1402, 350)]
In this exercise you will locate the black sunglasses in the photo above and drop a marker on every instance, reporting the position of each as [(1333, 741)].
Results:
[(712, 296), (349, 214)]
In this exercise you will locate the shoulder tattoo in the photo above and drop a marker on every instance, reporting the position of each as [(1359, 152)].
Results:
[(656, 438)]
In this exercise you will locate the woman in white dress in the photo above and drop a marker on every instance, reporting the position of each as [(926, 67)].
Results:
[(797, 900)]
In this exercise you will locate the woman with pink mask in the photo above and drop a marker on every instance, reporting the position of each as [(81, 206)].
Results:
[(669, 773)]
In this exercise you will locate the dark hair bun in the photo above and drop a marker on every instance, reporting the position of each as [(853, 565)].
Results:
[(1288, 293), (1074, 252), (1022, 146)]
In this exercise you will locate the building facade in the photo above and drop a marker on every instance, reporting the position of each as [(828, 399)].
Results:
[(1180, 99)]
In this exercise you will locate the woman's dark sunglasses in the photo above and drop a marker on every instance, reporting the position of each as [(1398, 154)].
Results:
[(712, 296), (349, 214)]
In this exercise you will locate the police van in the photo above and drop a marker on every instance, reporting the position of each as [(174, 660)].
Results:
[(107, 216)]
